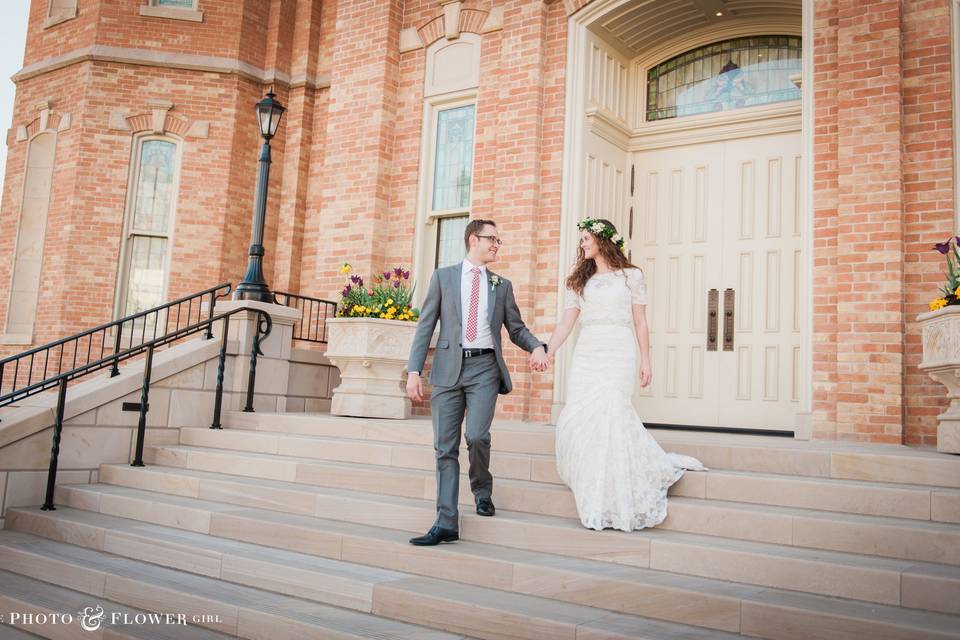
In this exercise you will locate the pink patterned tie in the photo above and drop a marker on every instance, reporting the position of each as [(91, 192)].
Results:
[(474, 305)]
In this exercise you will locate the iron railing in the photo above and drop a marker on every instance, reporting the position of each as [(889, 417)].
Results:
[(62, 378), (312, 326), (94, 345)]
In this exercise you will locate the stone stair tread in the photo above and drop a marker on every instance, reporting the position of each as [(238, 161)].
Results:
[(479, 551), (210, 589), (498, 602), (813, 480), (239, 419), (43, 596), (550, 520), (561, 489)]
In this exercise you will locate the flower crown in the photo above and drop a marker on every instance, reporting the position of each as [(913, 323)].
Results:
[(601, 230)]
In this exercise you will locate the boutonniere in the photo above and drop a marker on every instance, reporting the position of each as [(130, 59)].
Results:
[(494, 281)]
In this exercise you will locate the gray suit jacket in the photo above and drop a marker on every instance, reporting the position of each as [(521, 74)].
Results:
[(443, 304)]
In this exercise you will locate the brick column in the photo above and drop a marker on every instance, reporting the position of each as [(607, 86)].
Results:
[(359, 139), (869, 228), (304, 31), (517, 176)]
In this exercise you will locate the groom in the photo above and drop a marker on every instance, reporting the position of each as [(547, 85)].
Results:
[(472, 304)]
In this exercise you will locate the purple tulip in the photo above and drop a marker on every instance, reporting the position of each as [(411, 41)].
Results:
[(357, 280), (398, 272), (406, 274), (346, 291), (386, 275), (396, 284), (943, 247)]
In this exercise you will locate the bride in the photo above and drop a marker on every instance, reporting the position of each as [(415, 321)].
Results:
[(618, 473)]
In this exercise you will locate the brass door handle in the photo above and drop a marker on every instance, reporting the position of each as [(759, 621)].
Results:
[(713, 310), (728, 318)]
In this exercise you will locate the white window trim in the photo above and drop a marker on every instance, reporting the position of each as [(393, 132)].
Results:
[(153, 10), (123, 266), (425, 243)]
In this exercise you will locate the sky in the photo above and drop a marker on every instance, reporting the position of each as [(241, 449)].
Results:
[(13, 35)]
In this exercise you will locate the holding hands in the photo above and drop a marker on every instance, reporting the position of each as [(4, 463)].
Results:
[(538, 359)]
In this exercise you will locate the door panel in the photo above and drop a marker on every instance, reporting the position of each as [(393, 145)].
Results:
[(722, 216)]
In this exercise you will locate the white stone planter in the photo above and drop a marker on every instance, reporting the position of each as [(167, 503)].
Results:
[(941, 359), (371, 355)]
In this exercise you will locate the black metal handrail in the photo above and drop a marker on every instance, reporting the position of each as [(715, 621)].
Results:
[(63, 378), (312, 326), (116, 333)]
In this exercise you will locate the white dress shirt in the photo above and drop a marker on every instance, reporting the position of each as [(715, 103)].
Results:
[(484, 339)]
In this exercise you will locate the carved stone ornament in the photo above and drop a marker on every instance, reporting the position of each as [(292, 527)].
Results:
[(372, 355), (941, 360)]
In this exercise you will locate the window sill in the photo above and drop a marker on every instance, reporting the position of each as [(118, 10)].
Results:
[(173, 13), (20, 339), (53, 21)]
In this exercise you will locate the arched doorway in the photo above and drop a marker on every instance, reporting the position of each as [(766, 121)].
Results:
[(685, 127)]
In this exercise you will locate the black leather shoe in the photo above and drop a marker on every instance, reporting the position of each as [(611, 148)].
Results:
[(485, 507), (436, 535)]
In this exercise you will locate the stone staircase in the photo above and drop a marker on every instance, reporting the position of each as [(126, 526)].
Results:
[(296, 526)]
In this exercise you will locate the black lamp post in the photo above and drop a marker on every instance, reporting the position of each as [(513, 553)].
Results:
[(254, 286)]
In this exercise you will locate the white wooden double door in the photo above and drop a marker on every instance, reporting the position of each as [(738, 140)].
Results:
[(722, 219)]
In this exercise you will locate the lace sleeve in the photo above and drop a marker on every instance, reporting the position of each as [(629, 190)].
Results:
[(571, 300), (638, 287)]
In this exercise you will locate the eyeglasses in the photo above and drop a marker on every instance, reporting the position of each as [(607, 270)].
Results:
[(493, 239)]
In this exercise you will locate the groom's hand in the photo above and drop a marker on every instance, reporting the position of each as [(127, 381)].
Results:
[(414, 387)]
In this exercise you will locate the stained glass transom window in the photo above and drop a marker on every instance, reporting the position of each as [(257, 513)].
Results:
[(148, 237), (743, 72), (453, 164)]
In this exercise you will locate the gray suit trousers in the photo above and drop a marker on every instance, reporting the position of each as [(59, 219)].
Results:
[(475, 393)]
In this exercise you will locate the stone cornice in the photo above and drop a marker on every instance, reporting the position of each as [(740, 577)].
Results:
[(168, 60)]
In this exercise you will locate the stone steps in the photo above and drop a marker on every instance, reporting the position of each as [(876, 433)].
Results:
[(827, 494), (241, 611), (256, 613), (760, 454), (479, 573), (870, 535), (24, 595), (848, 575)]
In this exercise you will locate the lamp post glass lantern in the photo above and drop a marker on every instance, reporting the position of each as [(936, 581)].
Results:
[(254, 286)]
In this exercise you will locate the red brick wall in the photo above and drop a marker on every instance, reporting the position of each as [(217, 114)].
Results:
[(346, 170)]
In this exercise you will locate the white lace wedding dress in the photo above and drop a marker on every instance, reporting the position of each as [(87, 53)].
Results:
[(618, 473)]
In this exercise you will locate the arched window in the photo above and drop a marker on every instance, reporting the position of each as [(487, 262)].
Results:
[(149, 223), (743, 72)]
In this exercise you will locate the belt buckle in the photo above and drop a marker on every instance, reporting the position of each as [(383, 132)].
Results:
[(467, 353)]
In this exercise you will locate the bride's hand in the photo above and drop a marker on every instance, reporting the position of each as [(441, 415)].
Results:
[(646, 376)]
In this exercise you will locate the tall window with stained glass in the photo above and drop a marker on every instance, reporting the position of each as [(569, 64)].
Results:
[(737, 73), (150, 224), (453, 160)]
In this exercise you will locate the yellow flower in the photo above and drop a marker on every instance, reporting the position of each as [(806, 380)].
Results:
[(346, 268), (939, 303), (389, 301), (957, 292)]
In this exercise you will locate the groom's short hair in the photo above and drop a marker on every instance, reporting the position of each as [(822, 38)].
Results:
[(474, 228)]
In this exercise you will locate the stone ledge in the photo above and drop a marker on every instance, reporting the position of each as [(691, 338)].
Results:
[(172, 13)]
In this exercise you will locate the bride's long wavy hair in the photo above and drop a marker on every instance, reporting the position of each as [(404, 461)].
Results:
[(585, 268)]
